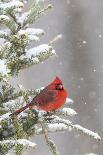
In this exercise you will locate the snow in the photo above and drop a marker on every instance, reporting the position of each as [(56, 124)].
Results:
[(84, 42), (37, 1), (87, 132), (4, 18), (26, 142), (90, 154), (77, 127), (22, 32), (100, 36), (56, 38), (23, 17), (34, 31), (94, 70), (7, 44), (22, 57), (55, 127), (36, 51), (13, 104), (3, 68), (5, 116), (33, 37), (69, 101), (3, 33), (68, 111), (23, 142), (44, 48), (81, 78), (11, 4)]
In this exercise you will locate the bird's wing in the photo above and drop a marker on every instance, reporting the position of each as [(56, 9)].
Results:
[(45, 96)]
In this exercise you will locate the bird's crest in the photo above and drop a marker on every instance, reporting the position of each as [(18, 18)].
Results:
[(57, 80)]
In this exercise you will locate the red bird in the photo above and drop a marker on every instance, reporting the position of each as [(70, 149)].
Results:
[(52, 97)]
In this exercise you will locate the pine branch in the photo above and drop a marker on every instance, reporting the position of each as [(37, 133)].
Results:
[(4, 34), (23, 142), (13, 5), (34, 14), (4, 19), (31, 57), (49, 142)]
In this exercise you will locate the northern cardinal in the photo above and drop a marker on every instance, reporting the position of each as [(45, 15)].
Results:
[(50, 98)]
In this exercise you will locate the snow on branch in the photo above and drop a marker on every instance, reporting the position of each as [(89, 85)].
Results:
[(14, 104), (78, 128), (90, 154), (34, 14), (67, 112), (50, 143), (4, 47), (55, 127), (69, 101), (31, 33), (38, 54), (41, 49), (3, 34), (14, 4), (17, 100), (5, 116), (23, 142), (3, 68), (87, 132), (4, 19), (35, 31), (59, 124), (22, 17)]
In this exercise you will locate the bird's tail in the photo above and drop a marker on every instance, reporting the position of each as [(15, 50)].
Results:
[(20, 110)]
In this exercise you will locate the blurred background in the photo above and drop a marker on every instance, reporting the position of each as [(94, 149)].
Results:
[(79, 63)]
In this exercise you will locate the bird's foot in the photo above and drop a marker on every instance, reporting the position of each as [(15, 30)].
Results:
[(48, 116)]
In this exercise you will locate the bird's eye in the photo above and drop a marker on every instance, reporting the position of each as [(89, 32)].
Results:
[(59, 87)]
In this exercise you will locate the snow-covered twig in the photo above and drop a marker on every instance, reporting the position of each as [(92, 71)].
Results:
[(37, 55), (87, 132), (5, 116), (55, 127), (49, 142), (41, 49), (3, 34), (78, 128), (90, 154), (55, 39), (35, 31), (60, 124), (23, 142), (34, 14), (3, 67), (67, 112), (14, 4), (4, 19)]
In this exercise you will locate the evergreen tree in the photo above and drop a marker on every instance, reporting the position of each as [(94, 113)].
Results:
[(15, 56)]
